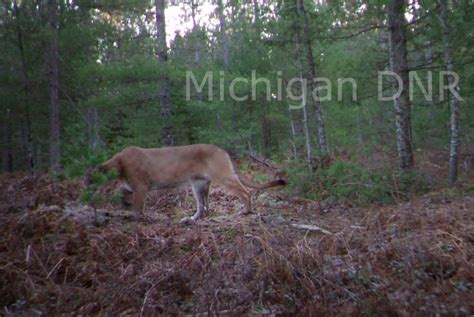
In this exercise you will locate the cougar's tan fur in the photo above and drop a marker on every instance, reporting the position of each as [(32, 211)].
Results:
[(170, 167)]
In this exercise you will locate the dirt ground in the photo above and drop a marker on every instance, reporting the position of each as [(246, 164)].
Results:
[(292, 256)]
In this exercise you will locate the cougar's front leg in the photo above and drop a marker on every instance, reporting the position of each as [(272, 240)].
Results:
[(126, 196), (138, 199)]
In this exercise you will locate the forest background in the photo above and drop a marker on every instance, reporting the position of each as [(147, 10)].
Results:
[(81, 80)]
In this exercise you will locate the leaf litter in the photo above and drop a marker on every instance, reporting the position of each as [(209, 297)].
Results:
[(414, 258)]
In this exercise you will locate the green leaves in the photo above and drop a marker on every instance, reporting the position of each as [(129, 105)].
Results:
[(350, 182), (91, 195)]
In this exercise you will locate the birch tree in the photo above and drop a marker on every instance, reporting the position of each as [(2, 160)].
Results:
[(399, 65), (311, 75), (453, 100)]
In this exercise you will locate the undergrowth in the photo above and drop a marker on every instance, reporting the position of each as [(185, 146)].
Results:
[(345, 182), (52, 265)]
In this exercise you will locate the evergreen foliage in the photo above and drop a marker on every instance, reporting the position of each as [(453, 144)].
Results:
[(108, 65)]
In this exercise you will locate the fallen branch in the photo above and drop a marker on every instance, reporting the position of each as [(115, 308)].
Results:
[(253, 157), (310, 228)]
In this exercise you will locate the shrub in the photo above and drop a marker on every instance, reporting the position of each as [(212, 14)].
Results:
[(345, 182)]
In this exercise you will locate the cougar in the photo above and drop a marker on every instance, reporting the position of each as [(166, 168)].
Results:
[(199, 165)]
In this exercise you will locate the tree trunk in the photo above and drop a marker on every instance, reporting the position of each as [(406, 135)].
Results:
[(309, 149), (307, 138), (7, 157), (454, 102), (226, 60), (53, 72), (26, 127), (399, 65), (224, 39), (311, 76), (256, 13), (266, 132), (93, 131), (264, 121), (296, 131), (196, 44), (429, 57), (166, 131)]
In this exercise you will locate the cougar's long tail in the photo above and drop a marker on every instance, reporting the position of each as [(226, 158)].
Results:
[(250, 183)]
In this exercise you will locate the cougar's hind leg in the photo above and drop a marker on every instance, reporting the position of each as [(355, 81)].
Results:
[(205, 195), (201, 194)]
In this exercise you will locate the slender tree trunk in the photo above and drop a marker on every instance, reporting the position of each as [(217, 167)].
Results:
[(26, 128), (226, 59), (266, 132), (293, 144), (296, 131), (399, 65), (305, 119), (264, 121), (311, 74), (307, 138), (429, 59), (224, 39), (454, 102), (53, 72), (256, 13), (196, 44), (92, 118), (7, 157), (162, 52), (38, 156)]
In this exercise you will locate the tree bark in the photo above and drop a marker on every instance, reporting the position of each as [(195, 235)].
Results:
[(297, 129), (266, 132), (7, 156), (399, 65), (264, 121), (311, 76), (53, 72), (429, 58), (309, 149), (92, 118), (197, 55), (26, 128), (166, 131), (454, 102), (256, 13), (224, 39)]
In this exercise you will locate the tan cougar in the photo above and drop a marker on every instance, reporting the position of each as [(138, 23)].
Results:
[(170, 167)]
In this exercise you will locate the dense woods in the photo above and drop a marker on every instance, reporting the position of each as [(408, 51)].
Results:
[(80, 78), (365, 108)]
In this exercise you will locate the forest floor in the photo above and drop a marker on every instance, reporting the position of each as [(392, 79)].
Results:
[(292, 256)]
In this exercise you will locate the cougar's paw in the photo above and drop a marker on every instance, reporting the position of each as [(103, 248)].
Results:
[(187, 221)]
